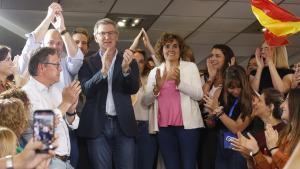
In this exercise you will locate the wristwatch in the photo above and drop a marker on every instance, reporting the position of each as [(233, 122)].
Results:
[(9, 162)]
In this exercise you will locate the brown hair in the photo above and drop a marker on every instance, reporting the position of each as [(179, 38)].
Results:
[(84, 32), (165, 38), (275, 98), (13, 115), (4, 50), (8, 142), (236, 77), (292, 129)]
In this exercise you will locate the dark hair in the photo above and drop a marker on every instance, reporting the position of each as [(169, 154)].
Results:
[(292, 129), (84, 32), (273, 96), (39, 57), (227, 52), (165, 38), (4, 50), (142, 52), (236, 77)]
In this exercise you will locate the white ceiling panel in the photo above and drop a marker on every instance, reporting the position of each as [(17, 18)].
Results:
[(154, 34), (236, 10), (75, 19), (243, 51), (292, 1), (177, 23), (248, 1), (101, 6), (192, 8), (200, 51), (225, 25), (209, 38), (293, 8), (28, 20), (147, 7), (247, 39), (294, 40), (25, 5)]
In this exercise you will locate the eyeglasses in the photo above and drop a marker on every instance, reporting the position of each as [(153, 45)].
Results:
[(109, 34), (57, 65)]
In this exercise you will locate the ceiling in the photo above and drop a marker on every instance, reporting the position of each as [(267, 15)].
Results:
[(202, 23)]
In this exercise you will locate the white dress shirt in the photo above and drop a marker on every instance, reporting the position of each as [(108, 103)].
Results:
[(70, 64), (41, 98)]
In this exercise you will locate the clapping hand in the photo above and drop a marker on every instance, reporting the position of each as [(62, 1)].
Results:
[(271, 136)]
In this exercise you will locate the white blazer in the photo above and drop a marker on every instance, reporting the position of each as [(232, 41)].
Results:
[(191, 92)]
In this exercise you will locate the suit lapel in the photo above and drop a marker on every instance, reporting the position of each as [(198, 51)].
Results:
[(117, 66), (95, 62)]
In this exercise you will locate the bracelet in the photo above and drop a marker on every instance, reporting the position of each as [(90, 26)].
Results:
[(63, 32), (220, 114), (71, 114), (254, 154), (273, 148)]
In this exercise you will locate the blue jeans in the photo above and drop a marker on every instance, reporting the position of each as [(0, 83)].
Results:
[(179, 147), (59, 164), (146, 147), (112, 146), (74, 156)]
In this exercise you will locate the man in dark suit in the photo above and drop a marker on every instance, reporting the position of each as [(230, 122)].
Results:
[(108, 78)]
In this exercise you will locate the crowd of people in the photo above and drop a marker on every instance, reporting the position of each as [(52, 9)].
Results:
[(122, 109)]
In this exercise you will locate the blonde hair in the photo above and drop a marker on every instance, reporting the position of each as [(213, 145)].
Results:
[(13, 115), (8, 142), (281, 57)]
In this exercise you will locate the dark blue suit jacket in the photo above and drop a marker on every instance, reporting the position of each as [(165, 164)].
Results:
[(95, 87)]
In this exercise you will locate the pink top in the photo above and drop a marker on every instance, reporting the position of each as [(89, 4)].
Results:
[(169, 106)]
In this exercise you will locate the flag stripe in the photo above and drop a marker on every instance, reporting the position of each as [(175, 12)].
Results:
[(274, 11), (277, 27)]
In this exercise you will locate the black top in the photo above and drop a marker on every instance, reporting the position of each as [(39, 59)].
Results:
[(266, 80)]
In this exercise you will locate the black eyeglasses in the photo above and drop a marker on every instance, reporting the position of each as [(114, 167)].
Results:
[(57, 65)]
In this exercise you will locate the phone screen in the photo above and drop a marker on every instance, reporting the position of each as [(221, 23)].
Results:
[(43, 128)]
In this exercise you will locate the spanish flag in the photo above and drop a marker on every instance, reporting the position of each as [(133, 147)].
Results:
[(278, 22)]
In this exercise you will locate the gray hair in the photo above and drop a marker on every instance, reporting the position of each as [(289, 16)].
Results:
[(105, 21)]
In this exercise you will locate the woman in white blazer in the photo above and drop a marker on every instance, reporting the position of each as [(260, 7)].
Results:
[(174, 89)]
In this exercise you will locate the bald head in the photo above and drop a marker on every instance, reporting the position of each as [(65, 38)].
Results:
[(53, 40)]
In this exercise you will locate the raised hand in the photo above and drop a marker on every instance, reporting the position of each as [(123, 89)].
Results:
[(59, 23), (147, 42), (237, 145), (174, 74), (127, 59), (212, 71), (259, 58), (71, 92), (136, 41), (271, 136), (269, 55), (107, 60), (160, 80), (53, 10), (211, 103)]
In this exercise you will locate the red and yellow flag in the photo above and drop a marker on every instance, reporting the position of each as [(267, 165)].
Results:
[(278, 22)]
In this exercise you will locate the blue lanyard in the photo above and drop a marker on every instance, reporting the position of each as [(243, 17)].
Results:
[(233, 106)]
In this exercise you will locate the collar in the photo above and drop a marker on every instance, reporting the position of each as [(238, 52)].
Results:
[(39, 86)]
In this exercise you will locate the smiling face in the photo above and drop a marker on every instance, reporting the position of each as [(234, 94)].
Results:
[(171, 51), (285, 110), (259, 106), (106, 36), (217, 58)]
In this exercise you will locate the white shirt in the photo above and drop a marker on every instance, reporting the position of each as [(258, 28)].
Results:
[(41, 97), (70, 65)]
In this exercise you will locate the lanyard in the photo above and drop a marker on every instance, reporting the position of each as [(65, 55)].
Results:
[(232, 108)]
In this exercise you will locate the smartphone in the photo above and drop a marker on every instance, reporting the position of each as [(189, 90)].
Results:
[(43, 128)]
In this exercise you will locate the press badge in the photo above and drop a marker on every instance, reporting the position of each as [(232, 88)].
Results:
[(228, 137)]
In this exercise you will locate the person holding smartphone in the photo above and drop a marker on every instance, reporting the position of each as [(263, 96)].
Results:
[(44, 69)]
